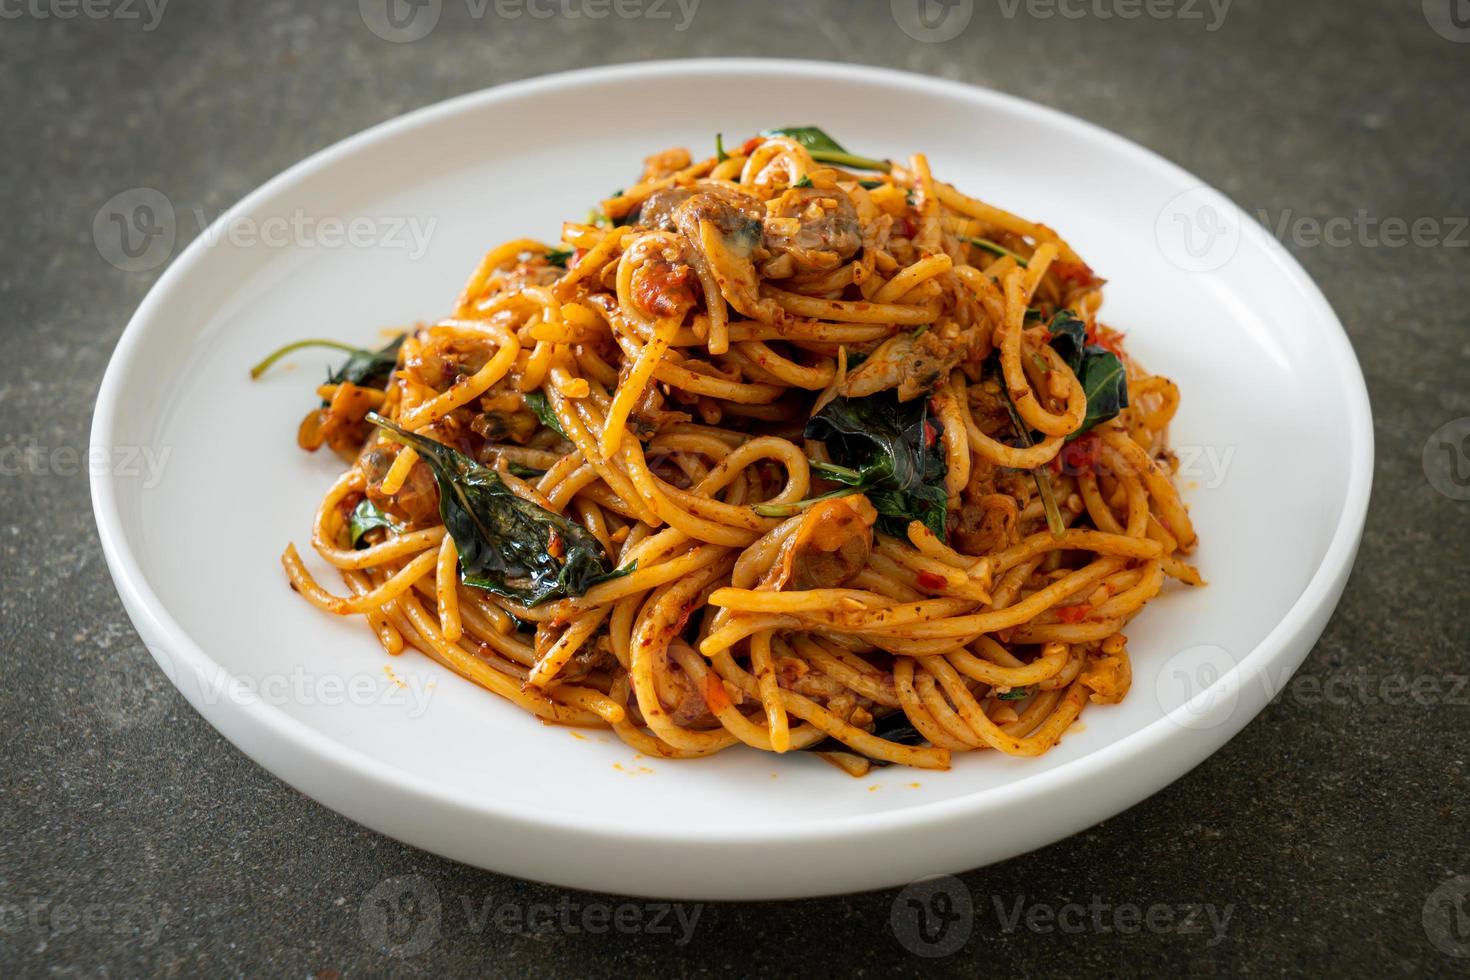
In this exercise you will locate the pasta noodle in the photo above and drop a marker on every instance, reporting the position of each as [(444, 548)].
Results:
[(784, 448)]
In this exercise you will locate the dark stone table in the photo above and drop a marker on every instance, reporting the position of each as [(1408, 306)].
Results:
[(133, 839)]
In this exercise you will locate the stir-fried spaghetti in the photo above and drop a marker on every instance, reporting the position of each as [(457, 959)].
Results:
[(785, 447)]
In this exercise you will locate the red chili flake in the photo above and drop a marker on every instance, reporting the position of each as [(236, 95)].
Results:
[(683, 619), (577, 257), (931, 581), (1080, 456), (1108, 340), (910, 229), (1074, 614), (931, 434), (748, 147), (554, 545)]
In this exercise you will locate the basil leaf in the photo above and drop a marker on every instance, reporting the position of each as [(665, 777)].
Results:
[(1105, 382), (559, 256), (538, 403), (825, 149), (882, 447), (365, 517), (1015, 694), (1103, 377), (368, 368), (507, 545), (1068, 338), (364, 368)]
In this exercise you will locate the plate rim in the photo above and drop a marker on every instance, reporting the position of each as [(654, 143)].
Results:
[(1317, 600)]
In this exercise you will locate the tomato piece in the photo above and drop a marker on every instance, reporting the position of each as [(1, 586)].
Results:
[(1074, 614), (931, 581)]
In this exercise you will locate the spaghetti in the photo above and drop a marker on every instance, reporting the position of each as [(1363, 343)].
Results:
[(786, 447)]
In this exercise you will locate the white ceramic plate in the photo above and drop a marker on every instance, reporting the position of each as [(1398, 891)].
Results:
[(1275, 431)]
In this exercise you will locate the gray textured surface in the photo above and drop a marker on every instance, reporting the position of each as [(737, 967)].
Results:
[(134, 839)]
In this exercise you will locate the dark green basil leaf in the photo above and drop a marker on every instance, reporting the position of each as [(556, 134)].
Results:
[(1068, 338), (883, 447), (1015, 694), (507, 545), (365, 517), (538, 403), (1105, 381), (369, 368), (825, 149), (559, 256), (364, 368)]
